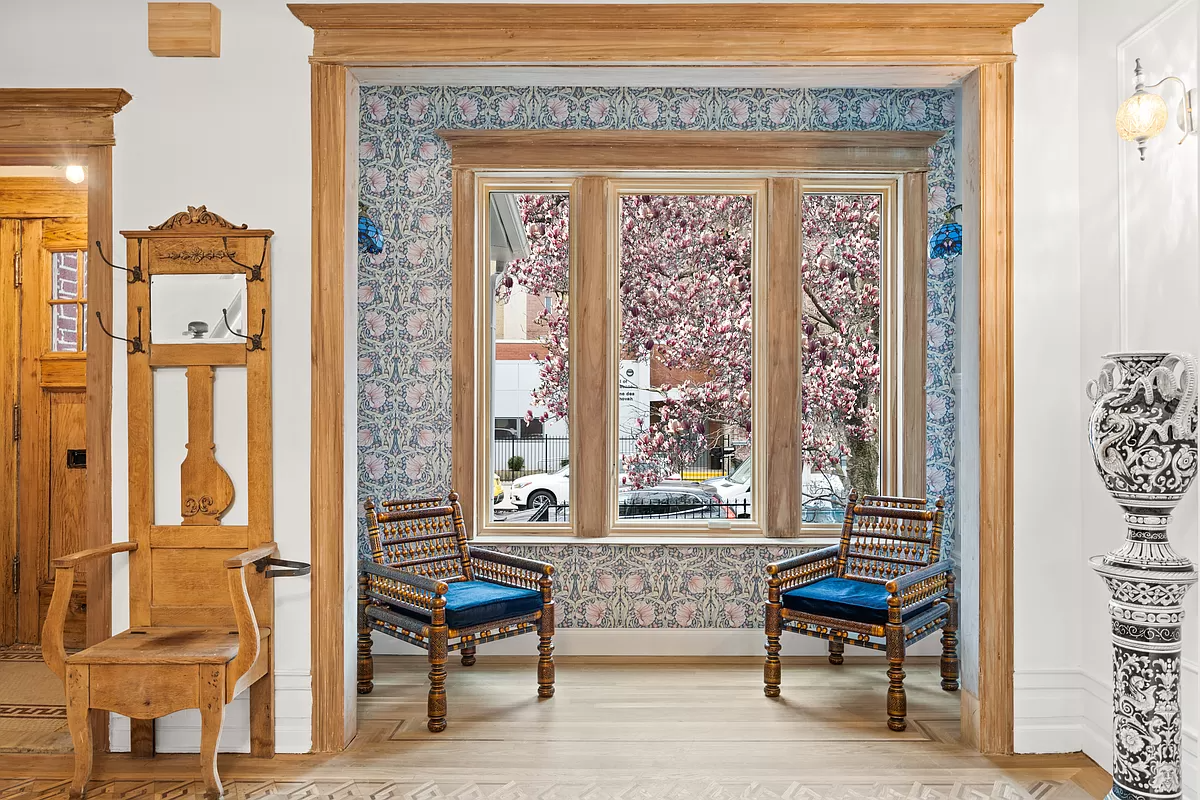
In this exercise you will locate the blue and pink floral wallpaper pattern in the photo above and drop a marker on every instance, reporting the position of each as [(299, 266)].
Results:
[(404, 303)]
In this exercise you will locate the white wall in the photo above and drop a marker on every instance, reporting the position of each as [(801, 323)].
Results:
[(231, 133)]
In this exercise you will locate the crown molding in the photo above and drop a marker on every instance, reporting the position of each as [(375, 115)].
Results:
[(59, 116)]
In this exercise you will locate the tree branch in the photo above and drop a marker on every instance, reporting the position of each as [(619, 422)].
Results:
[(821, 309)]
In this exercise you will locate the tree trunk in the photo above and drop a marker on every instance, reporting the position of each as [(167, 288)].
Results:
[(862, 466)]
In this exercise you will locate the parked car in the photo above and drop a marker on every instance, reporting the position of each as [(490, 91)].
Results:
[(823, 489), (497, 489), (542, 489), (671, 500)]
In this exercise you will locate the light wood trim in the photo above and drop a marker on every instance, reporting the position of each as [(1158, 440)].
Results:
[(98, 494), (914, 339), (462, 343), (194, 355), (69, 116), (34, 198), (591, 368), (184, 29), (328, 376), (214, 537), (63, 373), (987, 142), (427, 33), (864, 151), (10, 366), (783, 458)]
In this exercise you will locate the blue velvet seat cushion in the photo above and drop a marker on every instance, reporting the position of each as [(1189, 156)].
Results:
[(476, 602), (842, 598)]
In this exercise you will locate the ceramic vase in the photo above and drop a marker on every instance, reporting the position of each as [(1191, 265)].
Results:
[(1143, 435)]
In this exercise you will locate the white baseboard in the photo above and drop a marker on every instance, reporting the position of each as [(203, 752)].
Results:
[(180, 732), (666, 642)]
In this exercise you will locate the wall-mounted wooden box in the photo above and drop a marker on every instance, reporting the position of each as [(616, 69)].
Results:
[(185, 29)]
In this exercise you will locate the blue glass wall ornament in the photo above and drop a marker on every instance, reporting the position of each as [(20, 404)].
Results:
[(370, 239), (947, 242)]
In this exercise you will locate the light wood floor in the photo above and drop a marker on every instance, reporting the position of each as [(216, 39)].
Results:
[(647, 730)]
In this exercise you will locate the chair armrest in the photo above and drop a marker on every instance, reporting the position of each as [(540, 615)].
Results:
[(407, 591), (810, 557), (510, 570), (923, 585), (803, 569), (252, 556), (54, 651), (243, 613)]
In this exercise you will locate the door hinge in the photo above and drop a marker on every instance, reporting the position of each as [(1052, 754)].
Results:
[(16, 422), (17, 269), (16, 574)]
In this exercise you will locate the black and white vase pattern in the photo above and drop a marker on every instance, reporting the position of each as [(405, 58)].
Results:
[(1143, 436)]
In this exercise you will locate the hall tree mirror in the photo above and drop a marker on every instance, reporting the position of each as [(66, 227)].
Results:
[(200, 308)]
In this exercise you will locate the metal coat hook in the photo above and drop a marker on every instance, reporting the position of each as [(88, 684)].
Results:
[(255, 271), (135, 344), (254, 339), (135, 274)]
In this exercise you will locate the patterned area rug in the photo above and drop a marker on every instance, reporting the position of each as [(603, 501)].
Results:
[(33, 718), (540, 790)]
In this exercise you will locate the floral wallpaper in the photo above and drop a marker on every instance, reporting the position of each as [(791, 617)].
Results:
[(404, 389)]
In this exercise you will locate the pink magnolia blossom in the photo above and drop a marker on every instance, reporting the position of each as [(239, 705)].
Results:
[(416, 251), (643, 613), (426, 438), (417, 179), (415, 395), (779, 109), (739, 110), (418, 107), (427, 150), (559, 110), (468, 108), (427, 222), (414, 466), (685, 614), (689, 111), (377, 107), (375, 395), (366, 365), (696, 584), (374, 466), (868, 112), (365, 437), (598, 110), (829, 110), (416, 323), (594, 613), (427, 294), (374, 323), (606, 582), (376, 179), (914, 110), (425, 366), (366, 293), (635, 583), (647, 109), (735, 613), (509, 108)]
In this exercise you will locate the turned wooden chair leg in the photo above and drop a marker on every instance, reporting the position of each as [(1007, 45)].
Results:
[(437, 678), (772, 668), (897, 703), (468, 656), (81, 732), (262, 711), (212, 717), (545, 669), (366, 664), (837, 650), (950, 644)]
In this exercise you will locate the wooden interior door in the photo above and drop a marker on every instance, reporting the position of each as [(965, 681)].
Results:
[(49, 414)]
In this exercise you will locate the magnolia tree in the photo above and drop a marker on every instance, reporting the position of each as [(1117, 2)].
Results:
[(685, 298)]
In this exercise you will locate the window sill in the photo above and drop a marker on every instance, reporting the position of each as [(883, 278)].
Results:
[(816, 540)]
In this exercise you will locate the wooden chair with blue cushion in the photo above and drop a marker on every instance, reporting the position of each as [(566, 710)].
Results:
[(882, 586), (426, 586)]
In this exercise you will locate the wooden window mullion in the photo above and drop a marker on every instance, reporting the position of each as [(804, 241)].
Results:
[(913, 224)]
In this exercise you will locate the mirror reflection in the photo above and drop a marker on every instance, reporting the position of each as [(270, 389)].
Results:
[(197, 309)]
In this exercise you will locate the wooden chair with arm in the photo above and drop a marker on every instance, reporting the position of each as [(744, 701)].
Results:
[(882, 587), (426, 586), (149, 672)]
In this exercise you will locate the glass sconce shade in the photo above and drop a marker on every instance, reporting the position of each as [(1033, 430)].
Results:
[(947, 242), (370, 240), (1143, 116)]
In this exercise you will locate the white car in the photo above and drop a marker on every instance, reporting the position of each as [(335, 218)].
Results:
[(542, 489), (734, 489)]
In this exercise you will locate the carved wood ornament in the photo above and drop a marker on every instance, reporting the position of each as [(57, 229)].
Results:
[(206, 490)]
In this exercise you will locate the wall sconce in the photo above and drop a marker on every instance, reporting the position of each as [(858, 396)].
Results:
[(1144, 115)]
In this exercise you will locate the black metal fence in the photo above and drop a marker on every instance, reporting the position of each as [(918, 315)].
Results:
[(550, 453)]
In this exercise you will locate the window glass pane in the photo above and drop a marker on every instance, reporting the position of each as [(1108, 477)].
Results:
[(686, 347), (528, 258), (841, 275), (83, 323), (64, 327), (65, 276)]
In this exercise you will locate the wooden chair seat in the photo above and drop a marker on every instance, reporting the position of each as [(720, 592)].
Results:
[(166, 646)]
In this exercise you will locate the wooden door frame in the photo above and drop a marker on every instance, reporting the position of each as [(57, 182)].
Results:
[(52, 127), (897, 39)]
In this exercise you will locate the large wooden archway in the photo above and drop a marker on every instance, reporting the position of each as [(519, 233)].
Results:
[(896, 43)]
